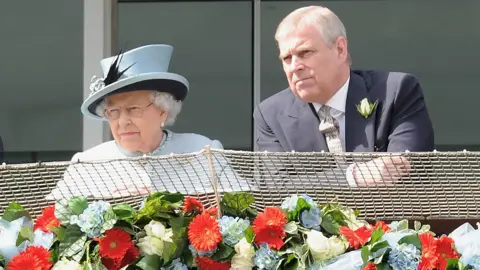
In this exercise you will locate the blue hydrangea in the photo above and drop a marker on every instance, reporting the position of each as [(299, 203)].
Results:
[(473, 260), (91, 220), (201, 253), (404, 257), (290, 203), (232, 229), (265, 258), (176, 265), (311, 218)]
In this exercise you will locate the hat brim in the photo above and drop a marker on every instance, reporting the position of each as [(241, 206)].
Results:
[(171, 83)]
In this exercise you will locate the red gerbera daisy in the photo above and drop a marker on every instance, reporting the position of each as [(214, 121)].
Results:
[(382, 225), (268, 227), (271, 216), (191, 205), (445, 251), (204, 232), (47, 220), (272, 235), (206, 263), (356, 238), (213, 212), (370, 266), (429, 252), (33, 257), (115, 244)]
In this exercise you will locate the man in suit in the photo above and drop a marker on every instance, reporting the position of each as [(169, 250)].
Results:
[(318, 112)]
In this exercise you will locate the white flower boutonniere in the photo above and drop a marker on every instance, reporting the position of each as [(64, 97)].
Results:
[(365, 108)]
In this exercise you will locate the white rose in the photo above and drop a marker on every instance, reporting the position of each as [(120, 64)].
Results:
[(157, 229), (323, 248), (243, 258), (65, 264), (151, 245)]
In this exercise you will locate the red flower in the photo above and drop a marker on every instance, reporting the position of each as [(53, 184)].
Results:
[(272, 235), (429, 252), (191, 205), (116, 264), (206, 263), (47, 220), (115, 244), (445, 251), (356, 238), (32, 258), (370, 266), (382, 225), (204, 232), (268, 227), (213, 212)]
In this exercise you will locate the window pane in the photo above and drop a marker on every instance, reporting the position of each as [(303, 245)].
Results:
[(437, 41), (213, 49), (42, 77)]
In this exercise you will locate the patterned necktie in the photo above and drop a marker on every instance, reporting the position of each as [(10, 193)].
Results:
[(329, 127)]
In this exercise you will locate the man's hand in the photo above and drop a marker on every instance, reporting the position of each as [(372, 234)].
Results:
[(381, 171)]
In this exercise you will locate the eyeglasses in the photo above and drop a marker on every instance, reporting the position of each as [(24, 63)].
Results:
[(134, 112)]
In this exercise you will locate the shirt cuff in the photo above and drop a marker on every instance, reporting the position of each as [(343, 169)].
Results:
[(351, 175)]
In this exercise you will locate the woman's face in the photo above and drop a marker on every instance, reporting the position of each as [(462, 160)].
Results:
[(136, 122)]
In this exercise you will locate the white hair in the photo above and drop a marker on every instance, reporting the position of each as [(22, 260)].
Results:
[(162, 100), (327, 23)]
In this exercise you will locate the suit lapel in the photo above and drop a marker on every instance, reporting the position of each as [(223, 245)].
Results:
[(300, 127), (359, 131)]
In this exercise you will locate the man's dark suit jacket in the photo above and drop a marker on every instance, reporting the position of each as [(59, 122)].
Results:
[(399, 122)]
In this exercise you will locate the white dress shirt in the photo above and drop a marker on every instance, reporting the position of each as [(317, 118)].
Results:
[(337, 104)]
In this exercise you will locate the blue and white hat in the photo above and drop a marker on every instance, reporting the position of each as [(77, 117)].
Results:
[(143, 68)]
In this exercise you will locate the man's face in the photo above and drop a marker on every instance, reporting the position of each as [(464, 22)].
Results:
[(312, 68)]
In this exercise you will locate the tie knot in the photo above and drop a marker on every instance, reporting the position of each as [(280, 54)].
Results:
[(324, 111)]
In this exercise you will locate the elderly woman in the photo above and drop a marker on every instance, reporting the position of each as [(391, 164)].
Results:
[(139, 98)]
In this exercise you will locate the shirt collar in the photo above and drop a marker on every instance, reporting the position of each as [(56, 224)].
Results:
[(338, 101)]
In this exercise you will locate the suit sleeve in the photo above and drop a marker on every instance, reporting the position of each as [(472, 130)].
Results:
[(411, 127), (265, 138)]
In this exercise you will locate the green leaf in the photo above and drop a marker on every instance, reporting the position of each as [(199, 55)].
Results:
[(172, 198), (376, 235), (411, 239), (236, 203), (77, 205), (124, 212), (291, 262), (378, 246), (59, 232), (365, 252), (150, 262), (26, 233), (291, 227), (73, 242), (223, 252), (169, 251), (331, 225), (249, 234), (302, 205), (158, 208), (110, 219), (15, 211), (62, 212)]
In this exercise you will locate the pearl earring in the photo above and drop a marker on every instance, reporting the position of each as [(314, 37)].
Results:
[(163, 124)]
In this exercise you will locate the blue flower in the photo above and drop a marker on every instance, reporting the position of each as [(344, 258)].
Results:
[(265, 258), (232, 229), (91, 221), (404, 257), (290, 203), (196, 253), (472, 261), (176, 265), (311, 218)]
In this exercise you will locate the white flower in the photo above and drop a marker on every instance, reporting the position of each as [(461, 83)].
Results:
[(65, 264), (243, 258), (156, 235), (157, 229), (365, 108), (323, 248)]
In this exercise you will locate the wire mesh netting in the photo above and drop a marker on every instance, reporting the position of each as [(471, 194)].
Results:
[(381, 185)]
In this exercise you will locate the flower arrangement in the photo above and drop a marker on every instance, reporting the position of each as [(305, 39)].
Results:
[(174, 232)]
